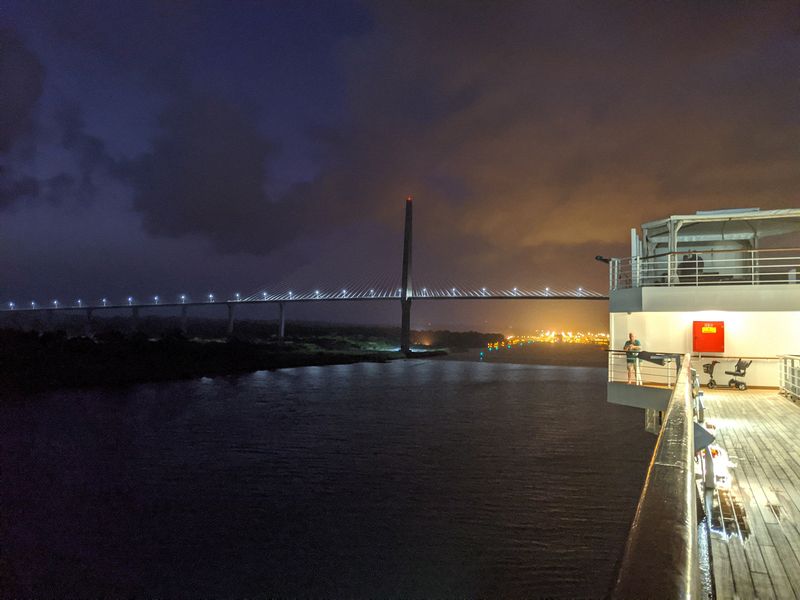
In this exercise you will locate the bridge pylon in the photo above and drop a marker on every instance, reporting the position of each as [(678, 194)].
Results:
[(405, 293)]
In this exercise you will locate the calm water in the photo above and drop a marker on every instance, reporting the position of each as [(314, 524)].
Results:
[(413, 478)]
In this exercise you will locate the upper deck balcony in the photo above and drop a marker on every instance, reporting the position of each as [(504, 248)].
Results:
[(706, 267), (726, 260)]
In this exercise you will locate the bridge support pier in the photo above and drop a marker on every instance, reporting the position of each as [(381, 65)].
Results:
[(184, 319), (281, 321), (48, 321), (89, 327), (231, 310), (405, 327), (135, 319), (405, 298)]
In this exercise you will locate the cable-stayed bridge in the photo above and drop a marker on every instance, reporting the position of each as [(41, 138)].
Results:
[(376, 291)]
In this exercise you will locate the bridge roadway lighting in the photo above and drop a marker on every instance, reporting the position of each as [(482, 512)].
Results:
[(372, 292), (33, 304), (211, 297), (55, 303), (155, 299), (183, 298), (484, 291), (79, 302), (290, 294), (238, 297), (344, 293), (104, 301), (515, 292), (316, 293), (11, 305), (130, 300), (264, 295)]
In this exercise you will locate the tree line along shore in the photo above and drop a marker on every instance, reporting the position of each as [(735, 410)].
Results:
[(115, 354)]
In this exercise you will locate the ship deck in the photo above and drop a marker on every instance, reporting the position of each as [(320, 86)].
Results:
[(755, 525)]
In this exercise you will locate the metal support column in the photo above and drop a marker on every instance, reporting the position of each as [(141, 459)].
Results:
[(405, 297), (231, 308), (184, 319)]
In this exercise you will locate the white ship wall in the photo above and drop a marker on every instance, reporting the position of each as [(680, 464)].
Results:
[(747, 334)]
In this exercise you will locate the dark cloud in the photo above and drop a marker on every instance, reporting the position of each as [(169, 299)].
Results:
[(544, 124), (532, 134), (88, 151), (205, 176), (21, 78), (14, 188)]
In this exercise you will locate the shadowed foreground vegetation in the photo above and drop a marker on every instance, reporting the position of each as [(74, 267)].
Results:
[(31, 361)]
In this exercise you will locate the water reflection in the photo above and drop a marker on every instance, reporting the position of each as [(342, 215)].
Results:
[(412, 478)]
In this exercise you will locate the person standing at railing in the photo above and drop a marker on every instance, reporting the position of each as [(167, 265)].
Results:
[(632, 348)]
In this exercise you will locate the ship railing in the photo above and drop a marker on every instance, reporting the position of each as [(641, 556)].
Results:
[(662, 557), (656, 369), (790, 376), (703, 267)]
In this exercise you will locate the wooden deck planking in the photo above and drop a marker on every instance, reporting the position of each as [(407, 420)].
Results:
[(758, 555)]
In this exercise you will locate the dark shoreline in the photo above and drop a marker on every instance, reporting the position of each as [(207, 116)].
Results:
[(32, 361)]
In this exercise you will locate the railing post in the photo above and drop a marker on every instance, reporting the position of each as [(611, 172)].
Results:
[(669, 270)]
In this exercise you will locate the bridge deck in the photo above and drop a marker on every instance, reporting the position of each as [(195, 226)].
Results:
[(755, 537)]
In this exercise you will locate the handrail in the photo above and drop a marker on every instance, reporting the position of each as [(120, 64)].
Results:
[(661, 557), (706, 267), (713, 251)]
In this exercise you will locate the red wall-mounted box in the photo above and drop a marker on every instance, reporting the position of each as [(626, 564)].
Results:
[(708, 336)]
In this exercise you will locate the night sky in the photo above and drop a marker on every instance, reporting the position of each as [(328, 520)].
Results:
[(169, 147)]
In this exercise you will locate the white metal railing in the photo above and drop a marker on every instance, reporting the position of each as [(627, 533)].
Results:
[(641, 370), (790, 376), (662, 556), (706, 267)]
